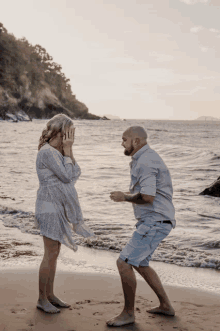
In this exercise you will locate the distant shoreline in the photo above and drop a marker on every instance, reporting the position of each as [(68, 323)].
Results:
[(207, 118)]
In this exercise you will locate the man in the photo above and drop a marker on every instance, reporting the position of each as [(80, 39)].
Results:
[(151, 196)]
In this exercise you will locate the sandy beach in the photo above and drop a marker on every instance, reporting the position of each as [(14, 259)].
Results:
[(92, 287), (95, 298)]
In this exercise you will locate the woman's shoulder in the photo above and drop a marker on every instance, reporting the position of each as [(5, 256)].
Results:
[(49, 151), (47, 148), (44, 149)]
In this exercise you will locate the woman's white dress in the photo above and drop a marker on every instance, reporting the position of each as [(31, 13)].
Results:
[(57, 209)]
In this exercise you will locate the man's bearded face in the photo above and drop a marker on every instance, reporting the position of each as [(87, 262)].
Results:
[(129, 150), (127, 143)]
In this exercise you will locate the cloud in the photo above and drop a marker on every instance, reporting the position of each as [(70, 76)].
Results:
[(213, 30), (118, 60), (187, 91), (204, 49), (193, 2), (142, 76), (196, 29), (206, 37), (161, 57)]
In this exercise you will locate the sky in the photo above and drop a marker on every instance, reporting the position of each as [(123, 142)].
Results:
[(143, 59)]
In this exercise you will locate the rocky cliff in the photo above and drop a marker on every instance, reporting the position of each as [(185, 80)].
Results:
[(24, 105), (32, 85)]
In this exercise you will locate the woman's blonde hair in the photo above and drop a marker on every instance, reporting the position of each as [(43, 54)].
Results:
[(58, 123)]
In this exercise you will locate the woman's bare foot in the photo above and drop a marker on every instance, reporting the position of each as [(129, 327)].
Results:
[(47, 307), (122, 319), (57, 302), (162, 310)]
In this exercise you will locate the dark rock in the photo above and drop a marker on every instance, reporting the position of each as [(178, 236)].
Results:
[(42, 104), (213, 189)]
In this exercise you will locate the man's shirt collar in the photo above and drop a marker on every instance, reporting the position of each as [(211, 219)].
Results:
[(140, 152)]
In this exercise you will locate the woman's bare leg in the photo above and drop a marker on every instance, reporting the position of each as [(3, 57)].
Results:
[(47, 273), (51, 276), (50, 285)]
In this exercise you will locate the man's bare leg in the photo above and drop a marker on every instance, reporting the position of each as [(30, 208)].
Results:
[(129, 283), (50, 285), (154, 282)]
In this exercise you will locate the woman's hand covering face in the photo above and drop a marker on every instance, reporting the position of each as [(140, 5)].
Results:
[(68, 137)]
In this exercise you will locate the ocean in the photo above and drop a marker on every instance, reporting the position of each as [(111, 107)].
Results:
[(190, 149)]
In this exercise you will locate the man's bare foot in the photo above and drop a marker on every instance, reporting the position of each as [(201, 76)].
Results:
[(47, 307), (122, 319), (57, 302), (162, 310)]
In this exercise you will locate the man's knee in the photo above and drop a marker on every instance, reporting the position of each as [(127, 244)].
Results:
[(142, 269), (122, 265)]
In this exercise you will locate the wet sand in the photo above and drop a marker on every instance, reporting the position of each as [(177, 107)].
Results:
[(95, 298)]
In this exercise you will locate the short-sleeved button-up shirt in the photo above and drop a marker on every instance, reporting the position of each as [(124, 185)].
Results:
[(150, 175)]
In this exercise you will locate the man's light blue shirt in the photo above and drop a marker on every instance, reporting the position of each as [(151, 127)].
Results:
[(150, 175)]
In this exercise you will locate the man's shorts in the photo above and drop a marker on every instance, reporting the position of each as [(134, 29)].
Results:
[(143, 243)]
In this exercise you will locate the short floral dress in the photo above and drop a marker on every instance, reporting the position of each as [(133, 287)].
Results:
[(57, 210)]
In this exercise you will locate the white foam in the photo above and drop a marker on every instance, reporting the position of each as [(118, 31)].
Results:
[(98, 261)]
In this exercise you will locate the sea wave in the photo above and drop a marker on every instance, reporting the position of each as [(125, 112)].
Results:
[(215, 157), (157, 130), (167, 252), (193, 162)]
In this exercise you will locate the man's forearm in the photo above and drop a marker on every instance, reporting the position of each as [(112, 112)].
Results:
[(135, 198)]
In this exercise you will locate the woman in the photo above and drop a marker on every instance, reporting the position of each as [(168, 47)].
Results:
[(57, 207)]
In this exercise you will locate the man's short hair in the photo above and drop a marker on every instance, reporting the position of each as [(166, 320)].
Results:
[(137, 131)]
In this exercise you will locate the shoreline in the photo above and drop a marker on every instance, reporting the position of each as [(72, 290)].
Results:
[(22, 250)]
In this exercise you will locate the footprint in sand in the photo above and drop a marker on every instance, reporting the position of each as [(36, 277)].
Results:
[(110, 302), (83, 302), (76, 308), (20, 311), (30, 323), (97, 313)]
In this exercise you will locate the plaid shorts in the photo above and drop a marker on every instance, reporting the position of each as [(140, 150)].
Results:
[(143, 243)]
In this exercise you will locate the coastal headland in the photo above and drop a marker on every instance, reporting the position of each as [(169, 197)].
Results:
[(32, 85)]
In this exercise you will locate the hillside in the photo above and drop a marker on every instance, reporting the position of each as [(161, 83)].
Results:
[(32, 85)]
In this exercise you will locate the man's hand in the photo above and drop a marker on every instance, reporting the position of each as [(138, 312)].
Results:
[(117, 196)]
